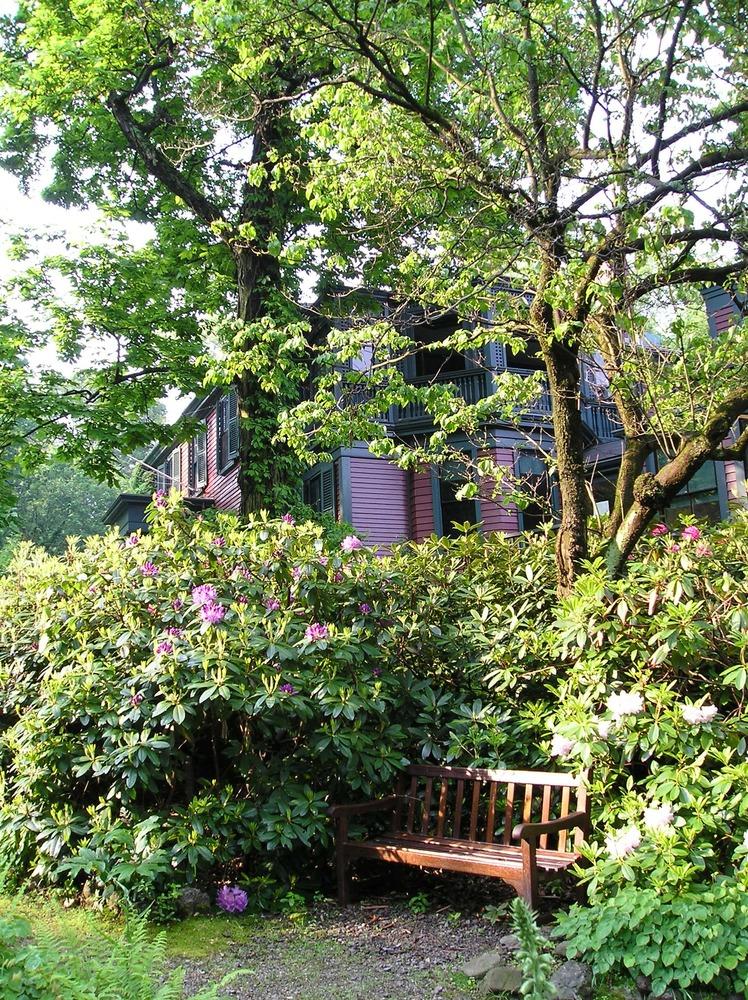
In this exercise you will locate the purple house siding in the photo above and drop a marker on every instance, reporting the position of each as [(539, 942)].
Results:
[(379, 501), (495, 515), (421, 505)]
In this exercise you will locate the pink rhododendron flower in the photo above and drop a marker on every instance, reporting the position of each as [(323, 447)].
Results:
[(351, 543), (288, 519), (658, 818), (625, 703), (296, 572), (703, 550), (691, 533), (316, 632), (159, 498), (660, 529), (232, 899), (204, 594), (137, 699), (219, 541), (364, 608), (242, 599), (624, 842), (176, 632), (287, 689), (149, 569), (272, 604), (561, 746), (338, 577), (673, 549), (152, 609), (323, 560), (212, 613), (132, 540), (165, 647), (177, 604), (696, 715)]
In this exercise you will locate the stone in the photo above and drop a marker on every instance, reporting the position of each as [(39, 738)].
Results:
[(192, 901), (477, 967), (502, 979), (643, 984), (561, 948), (573, 981), (510, 942)]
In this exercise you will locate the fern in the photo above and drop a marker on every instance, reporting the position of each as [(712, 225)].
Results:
[(534, 961)]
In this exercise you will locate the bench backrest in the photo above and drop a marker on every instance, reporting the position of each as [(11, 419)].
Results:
[(478, 804)]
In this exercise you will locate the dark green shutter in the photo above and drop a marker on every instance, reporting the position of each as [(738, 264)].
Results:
[(233, 424), (327, 490)]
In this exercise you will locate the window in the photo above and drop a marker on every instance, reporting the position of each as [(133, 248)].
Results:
[(434, 361), (227, 429), (319, 490), (535, 483), (199, 460), (169, 473), (453, 476)]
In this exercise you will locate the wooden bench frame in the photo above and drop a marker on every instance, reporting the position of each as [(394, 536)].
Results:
[(521, 857)]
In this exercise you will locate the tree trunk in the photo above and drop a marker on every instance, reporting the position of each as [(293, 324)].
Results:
[(635, 454), (652, 494), (568, 431)]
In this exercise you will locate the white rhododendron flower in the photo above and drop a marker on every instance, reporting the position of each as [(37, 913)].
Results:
[(624, 842), (697, 716), (625, 703), (658, 818), (603, 727), (561, 746)]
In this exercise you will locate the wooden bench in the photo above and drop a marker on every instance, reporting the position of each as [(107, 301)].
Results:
[(513, 825)]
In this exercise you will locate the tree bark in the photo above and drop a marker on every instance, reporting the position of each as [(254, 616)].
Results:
[(652, 494), (636, 450)]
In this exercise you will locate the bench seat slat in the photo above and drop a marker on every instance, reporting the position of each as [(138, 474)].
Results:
[(558, 779)]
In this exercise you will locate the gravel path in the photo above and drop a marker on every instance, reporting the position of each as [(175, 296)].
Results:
[(374, 949)]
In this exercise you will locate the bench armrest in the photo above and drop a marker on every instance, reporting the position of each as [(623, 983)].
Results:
[(360, 808), (531, 831)]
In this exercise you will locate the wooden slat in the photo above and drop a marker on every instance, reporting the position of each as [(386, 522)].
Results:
[(442, 814), (556, 778), (508, 812), (565, 796), (583, 805), (458, 808), (474, 810), (527, 804), (476, 857), (397, 816), (427, 805), (545, 814), (412, 803), (491, 816)]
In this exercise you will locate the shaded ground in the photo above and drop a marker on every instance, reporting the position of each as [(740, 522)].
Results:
[(372, 949)]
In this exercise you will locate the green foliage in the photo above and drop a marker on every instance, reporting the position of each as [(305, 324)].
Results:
[(532, 954), (144, 744), (419, 903), (129, 966), (689, 939)]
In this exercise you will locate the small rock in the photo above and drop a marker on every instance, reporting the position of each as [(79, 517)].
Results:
[(510, 942), (573, 981), (643, 984), (192, 901), (502, 979), (560, 949), (477, 967)]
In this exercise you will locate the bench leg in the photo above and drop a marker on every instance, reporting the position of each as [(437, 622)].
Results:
[(528, 888), (344, 878)]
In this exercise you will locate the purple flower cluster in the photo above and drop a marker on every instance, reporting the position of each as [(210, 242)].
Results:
[(219, 541), (351, 543), (132, 541), (137, 699), (165, 647), (176, 632), (149, 569), (272, 604), (316, 632), (242, 599), (691, 533), (232, 899), (288, 519), (660, 529), (364, 608), (177, 604), (287, 689), (212, 613), (159, 498), (204, 594)]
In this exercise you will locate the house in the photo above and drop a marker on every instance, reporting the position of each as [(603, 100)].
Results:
[(386, 504)]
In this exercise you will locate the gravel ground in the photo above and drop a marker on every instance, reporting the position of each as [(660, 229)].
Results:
[(373, 949)]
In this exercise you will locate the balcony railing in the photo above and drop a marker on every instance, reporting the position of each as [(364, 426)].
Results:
[(478, 383)]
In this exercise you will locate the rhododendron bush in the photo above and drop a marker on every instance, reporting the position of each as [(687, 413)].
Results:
[(187, 701)]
